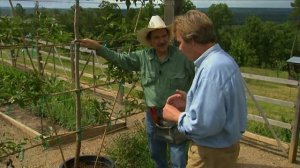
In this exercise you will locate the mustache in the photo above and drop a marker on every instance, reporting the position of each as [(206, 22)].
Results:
[(162, 44)]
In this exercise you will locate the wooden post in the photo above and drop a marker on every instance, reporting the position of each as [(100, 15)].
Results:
[(77, 87), (72, 60), (295, 130), (169, 12)]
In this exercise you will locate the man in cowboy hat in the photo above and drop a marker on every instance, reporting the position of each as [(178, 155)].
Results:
[(164, 69)]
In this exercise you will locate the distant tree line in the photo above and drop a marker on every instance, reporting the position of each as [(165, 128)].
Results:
[(256, 43)]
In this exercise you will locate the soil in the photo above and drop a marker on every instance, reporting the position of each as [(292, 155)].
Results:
[(253, 154)]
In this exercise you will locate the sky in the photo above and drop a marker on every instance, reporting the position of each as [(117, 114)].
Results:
[(198, 3)]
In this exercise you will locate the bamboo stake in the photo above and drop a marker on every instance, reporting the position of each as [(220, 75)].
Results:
[(32, 64), (82, 89), (104, 134), (24, 60), (61, 63), (46, 61), (77, 86), (72, 63), (133, 85), (69, 91), (94, 78), (30, 46), (86, 63), (54, 62)]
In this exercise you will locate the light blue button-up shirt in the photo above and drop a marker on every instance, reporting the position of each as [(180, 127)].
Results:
[(216, 110)]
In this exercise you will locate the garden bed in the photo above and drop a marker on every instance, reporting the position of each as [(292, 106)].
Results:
[(253, 154), (30, 125)]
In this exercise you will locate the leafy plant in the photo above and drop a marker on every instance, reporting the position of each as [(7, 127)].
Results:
[(34, 92), (8, 146), (132, 106), (19, 87), (96, 112), (127, 148)]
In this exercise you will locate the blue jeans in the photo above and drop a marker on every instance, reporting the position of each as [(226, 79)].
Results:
[(158, 149)]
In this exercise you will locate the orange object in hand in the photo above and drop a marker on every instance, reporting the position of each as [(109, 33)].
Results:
[(154, 115)]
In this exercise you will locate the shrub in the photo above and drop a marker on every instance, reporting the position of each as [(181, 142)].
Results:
[(131, 150)]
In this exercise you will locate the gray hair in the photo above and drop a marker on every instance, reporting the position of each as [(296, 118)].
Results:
[(195, 26)]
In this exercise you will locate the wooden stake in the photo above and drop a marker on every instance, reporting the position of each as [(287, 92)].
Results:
[(77, 87)]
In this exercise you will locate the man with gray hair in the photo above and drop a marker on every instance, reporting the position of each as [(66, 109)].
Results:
[(214, 110)]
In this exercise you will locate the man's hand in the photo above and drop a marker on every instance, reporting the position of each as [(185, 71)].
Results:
[(89, 43), (171, 113), (178, 100)]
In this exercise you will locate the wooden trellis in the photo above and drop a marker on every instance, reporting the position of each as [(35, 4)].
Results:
[(289, 126)]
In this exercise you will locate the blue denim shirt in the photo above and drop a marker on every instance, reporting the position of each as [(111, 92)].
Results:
[(216, 110)]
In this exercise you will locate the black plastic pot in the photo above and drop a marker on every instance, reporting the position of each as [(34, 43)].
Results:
[(103, 161)]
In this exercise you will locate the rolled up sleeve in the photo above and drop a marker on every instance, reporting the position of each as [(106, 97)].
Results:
[(206, 113)]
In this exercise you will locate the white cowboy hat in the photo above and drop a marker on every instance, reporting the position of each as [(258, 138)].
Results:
[(155, 23)]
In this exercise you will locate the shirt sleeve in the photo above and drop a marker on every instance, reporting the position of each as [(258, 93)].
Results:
[(206, 114), (190, 69), (129, 62)]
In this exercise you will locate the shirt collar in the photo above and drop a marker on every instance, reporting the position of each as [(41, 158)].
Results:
[(202, 57)]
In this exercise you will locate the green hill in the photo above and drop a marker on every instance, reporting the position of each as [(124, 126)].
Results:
[(278, 15)]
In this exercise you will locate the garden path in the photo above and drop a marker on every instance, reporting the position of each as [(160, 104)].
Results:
[(253, 154)]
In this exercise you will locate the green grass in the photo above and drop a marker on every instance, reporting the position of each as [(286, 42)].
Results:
[(281, 133), (272, 90), (275, 112), (272, 111), (265, 72)]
